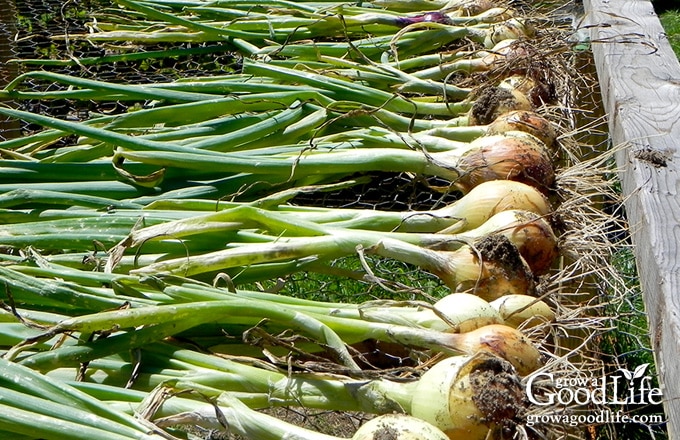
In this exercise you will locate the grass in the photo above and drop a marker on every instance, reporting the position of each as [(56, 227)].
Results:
[(670, 20), (628, 346)]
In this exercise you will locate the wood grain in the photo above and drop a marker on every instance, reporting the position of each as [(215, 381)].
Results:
[(640, 84)]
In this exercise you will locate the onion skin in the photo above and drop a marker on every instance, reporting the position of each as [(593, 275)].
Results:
[(506, 157), (525, 121), (490, 198), (530, 233), (503, 341), (479, 205), (523, 310), (398, 427)]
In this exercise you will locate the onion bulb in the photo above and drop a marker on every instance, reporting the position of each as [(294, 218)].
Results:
[(470, 211), (537, 92), (503, 341), (523, 310), (469, 397), (490, 270), (510, 156), (454, 313), (398, 427), (530, 233), (491, 102), (508, 30), (524, 121)]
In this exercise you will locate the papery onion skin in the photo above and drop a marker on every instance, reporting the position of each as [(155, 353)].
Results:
[(490, 198), (398, 427), (530, 233), (523, 310), (503, 341), (525, 121), (506, 157)]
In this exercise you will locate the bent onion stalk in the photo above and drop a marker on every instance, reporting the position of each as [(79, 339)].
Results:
[(497, 157), (531, 234), (334, 332), (250, 424), (454, 396)]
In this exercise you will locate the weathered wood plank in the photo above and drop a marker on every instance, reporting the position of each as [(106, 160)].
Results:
[(640, 80)]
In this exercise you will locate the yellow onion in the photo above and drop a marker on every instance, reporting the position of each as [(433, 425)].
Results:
[(498, 157), (530, 233), (507, 156), (398, 427), (488, 271), (537, 92), (507, 30), (524, 121), (469, 397), (456, 312), (523, 310), (483, 202), (503, 341), (492, 102)]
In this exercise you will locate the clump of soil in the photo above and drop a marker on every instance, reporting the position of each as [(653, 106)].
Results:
[(498, 393), (499, 248), (485, 109)]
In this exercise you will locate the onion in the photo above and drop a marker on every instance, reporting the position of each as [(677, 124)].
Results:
[(524, 121), (497, 157), (493, 269), (530, 233), (455, 313), (467, 397), (523, 310), (469, 212), (398, 427), (537, 92), (507, 30), (492, 102)]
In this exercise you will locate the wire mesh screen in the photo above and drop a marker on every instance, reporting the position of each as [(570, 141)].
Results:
[(40, 31)]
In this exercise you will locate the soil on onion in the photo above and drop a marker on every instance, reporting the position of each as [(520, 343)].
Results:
[(485, 108), (498, 394), (500, 248)]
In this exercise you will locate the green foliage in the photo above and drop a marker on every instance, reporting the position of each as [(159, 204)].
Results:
[(671, 23), (628, 345)]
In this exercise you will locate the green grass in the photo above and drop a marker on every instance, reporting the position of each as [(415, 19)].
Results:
[(671, 23), (628, 346)]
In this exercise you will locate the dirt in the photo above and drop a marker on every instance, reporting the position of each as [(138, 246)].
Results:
[(500, 248), (498, 394), (485, 109), (655, 158)]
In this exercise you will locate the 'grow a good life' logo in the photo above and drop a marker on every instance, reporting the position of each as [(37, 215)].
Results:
[(628, 388), (615, 396)]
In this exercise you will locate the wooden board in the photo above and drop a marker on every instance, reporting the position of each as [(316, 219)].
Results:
[(640, 83)]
